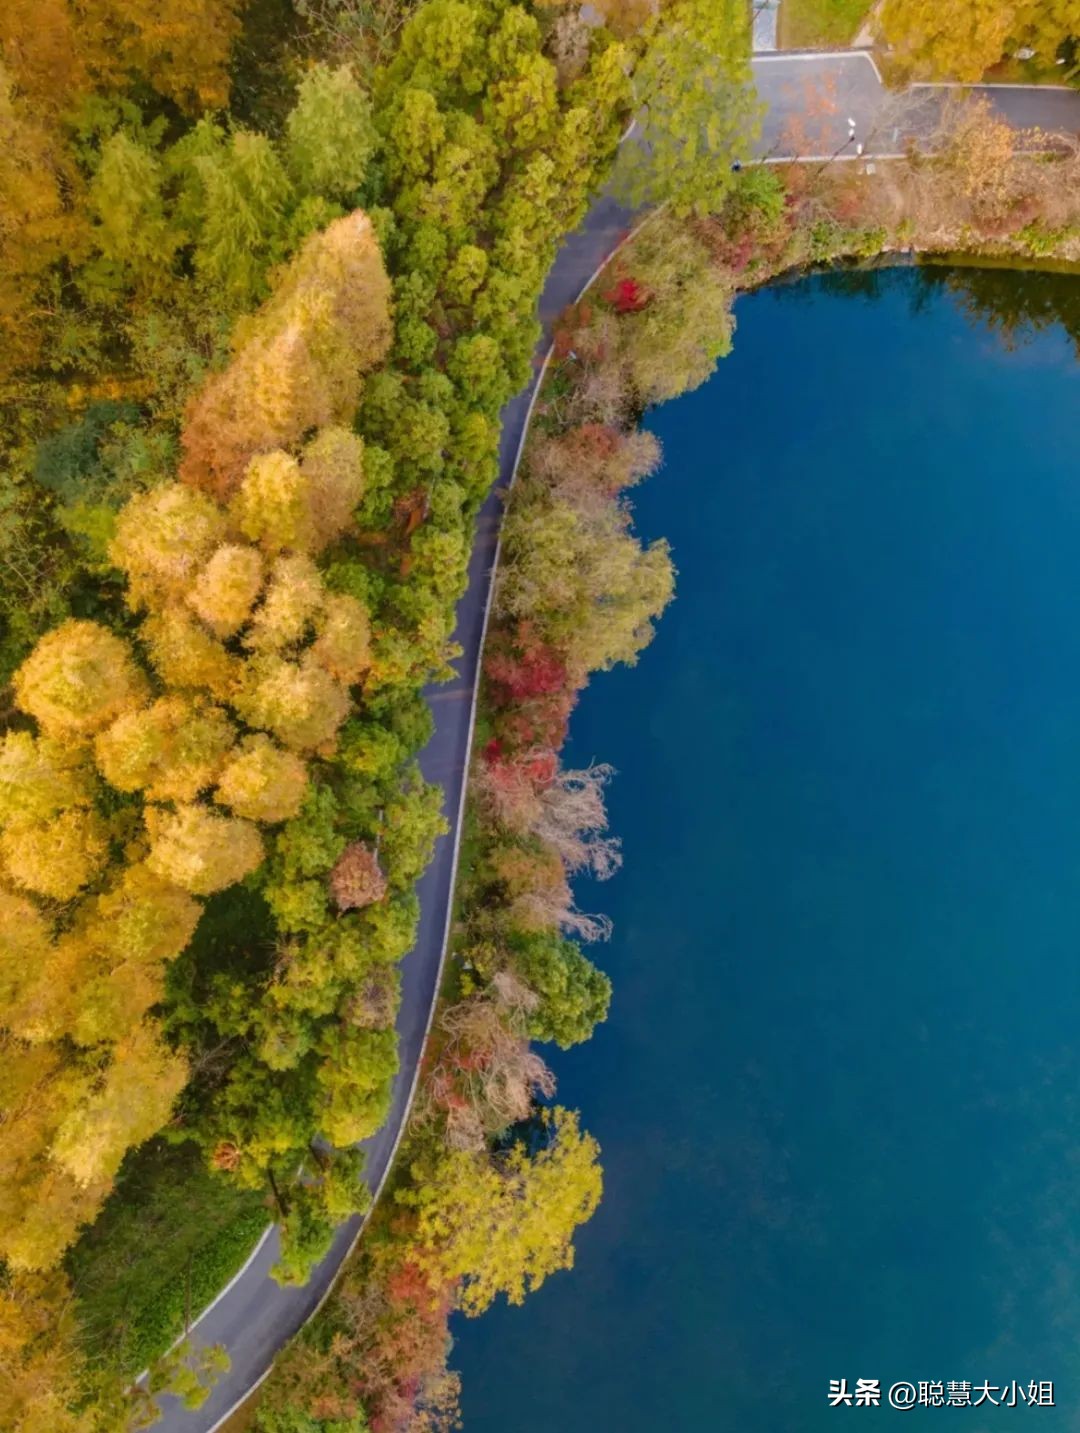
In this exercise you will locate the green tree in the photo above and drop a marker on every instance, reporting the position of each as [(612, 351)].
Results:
[(574, 995), (133, 231), (697, 111), (330, 134), (243, 201)]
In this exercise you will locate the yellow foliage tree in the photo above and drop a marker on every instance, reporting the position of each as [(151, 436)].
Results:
[(41, 1204), (227, 588), (293, 599), (285, 505), (55, 858), (129, 1103), (503, 1224), (103, 975), (121, 945), (200, 850), (333, 464), (273, 507), (24, 944), (1045, 25), (950, 39), (37, 227), (66, 1129), (43, 1008), (77, 679), (298, 361), (180, 47), (40, 1361), (39, 777), (263, 783), (343, 646), (163, 537), (60, 48), (171, 751), (299, 702), (144, 918), (184, 654)]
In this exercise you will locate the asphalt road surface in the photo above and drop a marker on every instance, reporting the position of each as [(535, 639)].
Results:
[(810, 99)]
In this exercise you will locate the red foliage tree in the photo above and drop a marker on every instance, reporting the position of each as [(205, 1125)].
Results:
[(627, 295)]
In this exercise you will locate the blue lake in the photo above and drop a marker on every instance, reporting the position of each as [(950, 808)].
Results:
[(838, 1096)]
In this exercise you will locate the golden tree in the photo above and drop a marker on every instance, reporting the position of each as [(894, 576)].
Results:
[(38, 227), (261, 782), (129, 1103), (24, 944), (39, 777), (299, 702), (40, 1358), (952, 39), (184, 654), (343, 645), (58, 857), (227, 588), (294, 595), (503, 1224), (171, 751), (77, 679), (273, 507), (163, 537), (200, 850), (333, 464), (298, 361)]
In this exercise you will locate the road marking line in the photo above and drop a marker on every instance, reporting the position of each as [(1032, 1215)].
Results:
[(762, 57)]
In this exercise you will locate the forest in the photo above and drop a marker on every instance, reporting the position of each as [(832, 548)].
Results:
[(268, 274)]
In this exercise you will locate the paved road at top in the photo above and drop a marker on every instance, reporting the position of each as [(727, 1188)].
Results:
[(810, 99), (811, 95)]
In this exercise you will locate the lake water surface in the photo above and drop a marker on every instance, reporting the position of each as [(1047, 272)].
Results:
[(838, 1095)]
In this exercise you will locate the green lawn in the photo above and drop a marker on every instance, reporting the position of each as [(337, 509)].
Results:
[(169, 1237), (806, 24)]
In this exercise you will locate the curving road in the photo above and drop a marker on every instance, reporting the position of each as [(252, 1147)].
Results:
[(809, 99)]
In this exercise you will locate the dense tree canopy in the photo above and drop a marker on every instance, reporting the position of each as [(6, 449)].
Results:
[(961, 39)]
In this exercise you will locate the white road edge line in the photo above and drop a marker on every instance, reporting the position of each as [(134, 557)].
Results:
[(773, 56), (990, 85)]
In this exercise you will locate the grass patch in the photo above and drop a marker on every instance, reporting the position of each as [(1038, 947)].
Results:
[(170, 1236), (818, 24)]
